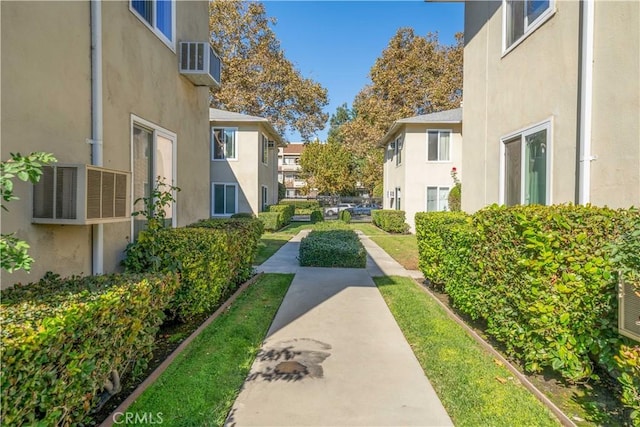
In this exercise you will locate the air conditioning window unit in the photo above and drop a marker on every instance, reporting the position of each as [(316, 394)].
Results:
[(78, 194), (200, 63), (629, 310)]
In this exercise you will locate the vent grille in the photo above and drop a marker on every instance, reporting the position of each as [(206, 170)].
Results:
[(200, 63), (81, 194), (629, 311)]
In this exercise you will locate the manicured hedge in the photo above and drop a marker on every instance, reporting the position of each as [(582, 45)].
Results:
[(287, 211), (392, 221), (332, 248), (301, 204), (272, 221), (212, 257), (61, 339), (544, 280), (317, 215), (344, 216)]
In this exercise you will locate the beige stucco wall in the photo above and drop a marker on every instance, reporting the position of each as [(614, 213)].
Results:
[(416, 173), (615, 179), (46, 103), (538, 81), (247, 171)]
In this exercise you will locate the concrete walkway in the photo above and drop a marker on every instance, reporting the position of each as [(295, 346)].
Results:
[(334, 355)]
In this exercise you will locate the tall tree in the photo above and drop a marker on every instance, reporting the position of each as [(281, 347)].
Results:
[(414, 75), (342, 115), (257, 78), (327, 167)]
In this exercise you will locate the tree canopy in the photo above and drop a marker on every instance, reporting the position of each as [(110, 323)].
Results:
[(327, 167), (257, 78), (415, 75)]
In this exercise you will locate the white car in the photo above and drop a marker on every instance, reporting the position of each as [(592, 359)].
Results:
[(334, 210)]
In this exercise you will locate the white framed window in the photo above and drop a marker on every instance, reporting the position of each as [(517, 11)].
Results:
[(159, 16), (397, 197), (264, 201), (264, 146), (398, 150), (223, 144), (153, 158), (521, 18), (224, 198), (526, 166), (437, 199), (438, 145)]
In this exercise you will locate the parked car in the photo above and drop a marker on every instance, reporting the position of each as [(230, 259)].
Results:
[(334, 210), (365, 209)]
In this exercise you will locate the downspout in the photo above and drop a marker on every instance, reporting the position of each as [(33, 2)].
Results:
[(587, 18), (96, 123)]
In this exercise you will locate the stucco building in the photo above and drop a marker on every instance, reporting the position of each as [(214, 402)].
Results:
[(101, 83), (244, 163), (420, 153), (551, 103), (289, 171)]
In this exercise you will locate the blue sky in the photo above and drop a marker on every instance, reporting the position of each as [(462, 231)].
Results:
[(336, 42)]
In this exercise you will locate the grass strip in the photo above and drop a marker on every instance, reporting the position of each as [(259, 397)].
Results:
[(200, 386), (475, 389)]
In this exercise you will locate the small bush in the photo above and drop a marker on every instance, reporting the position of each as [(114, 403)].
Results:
[(391, 221), (61, 339), (272, 221), (287, 212), (317, 215), (212, 257), (332, 248), (345, 216), (242, 215)]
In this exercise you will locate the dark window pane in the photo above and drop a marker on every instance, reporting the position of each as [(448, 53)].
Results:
[(218, 199), (144, 8), (512, 171), (432, 148), (163, 18), (515, 20), (218, 143), (535, 8), (230, 199), (536, 172)]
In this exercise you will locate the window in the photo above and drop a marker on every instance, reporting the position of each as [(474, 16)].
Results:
[(398, 145), (265, 149), (397, 198), (264, 200), (223, 144), (525, 166), (153, 151), (522, 17), (437, 199), (438, 146), (159, 15), (224, 199)]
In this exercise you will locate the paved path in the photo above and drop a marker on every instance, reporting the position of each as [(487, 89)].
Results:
[(334, 355)]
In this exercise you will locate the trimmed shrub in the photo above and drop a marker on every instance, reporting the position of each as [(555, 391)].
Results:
[(212, 257), (317, 215), (544, 280), (62, 338), (332, 248), (345, 216), (272, 221), (287, 212), (391, 221), (242, 215), (301, 204), (300, 211)]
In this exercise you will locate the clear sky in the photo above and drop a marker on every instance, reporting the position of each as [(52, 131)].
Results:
[(337, 42)]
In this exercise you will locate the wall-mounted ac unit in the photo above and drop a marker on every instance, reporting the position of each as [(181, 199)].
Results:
[(272, 144), (629, 310), (200, 63), (81, 194)]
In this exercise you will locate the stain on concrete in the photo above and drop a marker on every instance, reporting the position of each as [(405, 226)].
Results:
[(291, 360)]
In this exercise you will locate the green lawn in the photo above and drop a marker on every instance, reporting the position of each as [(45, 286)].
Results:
[(473, 387), (401, 247), (200, 386)]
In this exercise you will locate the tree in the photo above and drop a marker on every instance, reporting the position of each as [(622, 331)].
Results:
[(342, 115), (414, 75), (14, 252), (257, 78), (327, 167)]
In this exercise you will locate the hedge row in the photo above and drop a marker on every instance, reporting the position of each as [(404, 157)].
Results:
[(544, 280), (287, 212), (332, 248), (392, 221), (317, 215), (62, 338), (301, 204), (272, 221), (344, 216), (212, 257)]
